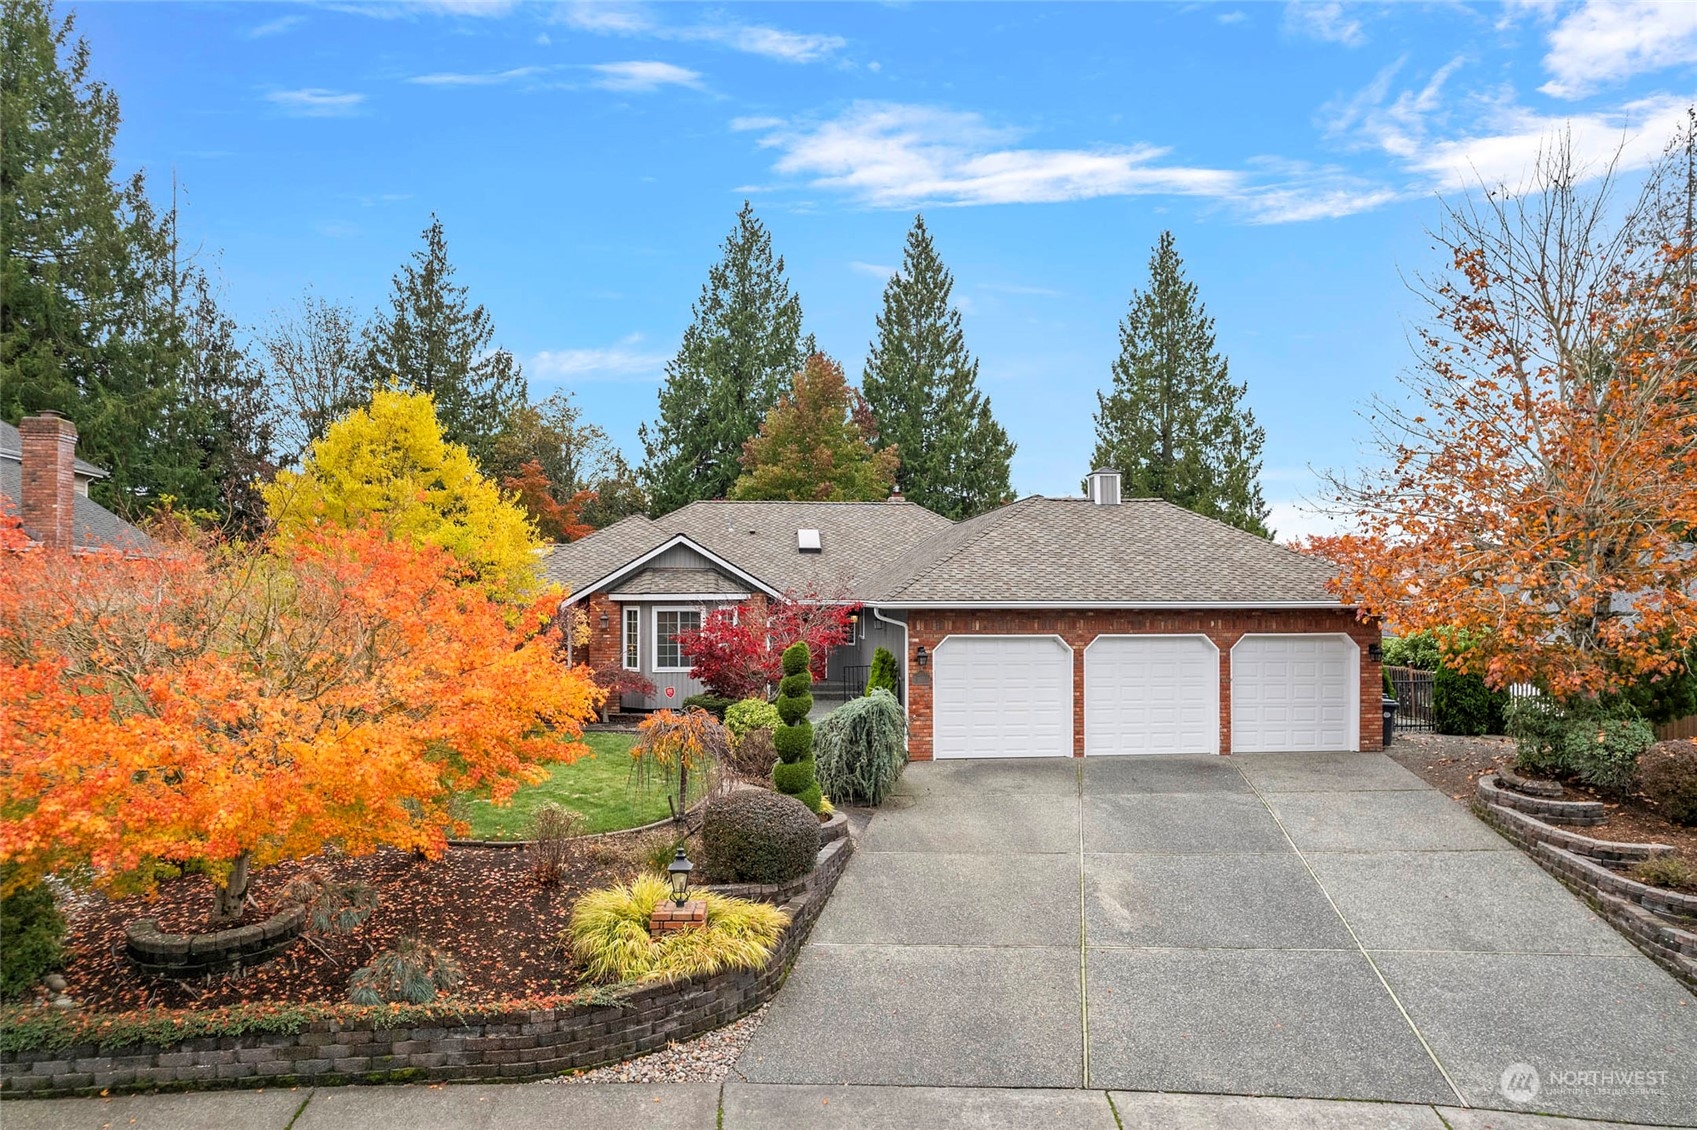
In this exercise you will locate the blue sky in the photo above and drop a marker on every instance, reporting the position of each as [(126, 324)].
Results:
[(587, 161)]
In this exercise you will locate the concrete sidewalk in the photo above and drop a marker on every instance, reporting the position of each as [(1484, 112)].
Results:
[(742, 1106)]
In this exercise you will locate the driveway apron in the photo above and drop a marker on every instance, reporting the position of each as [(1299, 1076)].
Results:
[(1306, 925)]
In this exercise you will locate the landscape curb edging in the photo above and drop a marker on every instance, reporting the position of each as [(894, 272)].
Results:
[(490, 1046), (1613, 896), (1582, 813), (193, 955)]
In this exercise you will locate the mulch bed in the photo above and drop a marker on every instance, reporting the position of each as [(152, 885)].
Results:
[(1455, 764), (481, 905)]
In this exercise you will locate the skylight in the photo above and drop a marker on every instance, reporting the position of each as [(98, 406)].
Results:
[(808, 541)]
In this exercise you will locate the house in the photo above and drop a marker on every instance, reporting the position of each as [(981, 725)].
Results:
[(45, 485), (1050, 626)]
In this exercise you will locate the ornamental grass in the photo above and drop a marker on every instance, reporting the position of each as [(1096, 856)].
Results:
[(609, 934)]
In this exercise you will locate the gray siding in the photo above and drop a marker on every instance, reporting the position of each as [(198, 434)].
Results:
[(680, 557)]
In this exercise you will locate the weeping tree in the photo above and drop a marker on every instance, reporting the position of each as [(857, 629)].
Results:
[(794, 774)]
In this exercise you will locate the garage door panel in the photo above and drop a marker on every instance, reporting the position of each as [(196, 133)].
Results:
[(1293, 693), (1151, 695), (1002, 696)]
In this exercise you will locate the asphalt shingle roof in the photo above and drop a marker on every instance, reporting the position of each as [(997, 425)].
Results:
[(856, 540), (1034, 550), (652, 582), (1069, 549), (12, 447)]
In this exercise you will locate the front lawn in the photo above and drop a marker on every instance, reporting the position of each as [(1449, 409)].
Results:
[(599, 787)]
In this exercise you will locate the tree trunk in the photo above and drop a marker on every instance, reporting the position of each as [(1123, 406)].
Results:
[(230, 897)]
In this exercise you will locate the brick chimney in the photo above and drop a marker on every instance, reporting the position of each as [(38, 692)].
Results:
[(49, 478)]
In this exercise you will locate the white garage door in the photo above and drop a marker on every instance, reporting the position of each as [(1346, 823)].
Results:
[(1293, 693), (1151, 694), (1001, 696)]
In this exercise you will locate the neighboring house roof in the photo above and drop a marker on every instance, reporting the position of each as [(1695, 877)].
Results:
[(12, 448), (677, 582), (92, 525), (1037, 551), (759, 538), (1072, 551)]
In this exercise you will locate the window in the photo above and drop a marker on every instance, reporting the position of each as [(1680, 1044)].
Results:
[(633, 629), (668, 623)]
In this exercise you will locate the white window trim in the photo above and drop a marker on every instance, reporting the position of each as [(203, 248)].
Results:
[(628, 641), (654, 624)]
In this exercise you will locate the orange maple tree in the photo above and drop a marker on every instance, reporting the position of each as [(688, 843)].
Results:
[(221, 708), (557, 521), (1538, 500)]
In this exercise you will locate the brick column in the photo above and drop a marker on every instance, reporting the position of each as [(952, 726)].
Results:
[(49, 479)]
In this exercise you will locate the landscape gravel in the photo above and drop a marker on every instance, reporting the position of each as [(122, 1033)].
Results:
[(705, 1059)]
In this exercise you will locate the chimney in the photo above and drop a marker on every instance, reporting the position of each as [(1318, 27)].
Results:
[(1105, 487), (49, 459), (896, 493)]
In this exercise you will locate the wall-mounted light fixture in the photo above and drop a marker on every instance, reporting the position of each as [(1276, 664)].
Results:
[(922, 657), (604, 620), (1375, 652)]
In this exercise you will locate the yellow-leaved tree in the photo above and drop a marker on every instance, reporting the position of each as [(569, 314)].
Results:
[(389, 463)]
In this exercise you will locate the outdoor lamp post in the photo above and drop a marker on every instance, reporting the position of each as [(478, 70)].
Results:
[(678, 870)]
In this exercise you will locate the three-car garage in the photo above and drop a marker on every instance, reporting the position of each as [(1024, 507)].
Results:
[(1144, 693)]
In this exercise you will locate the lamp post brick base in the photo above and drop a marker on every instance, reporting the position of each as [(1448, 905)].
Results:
[(669, 916)]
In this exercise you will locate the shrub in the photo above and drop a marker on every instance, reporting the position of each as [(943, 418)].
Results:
[(1538, 728), (1420, 650), (750, 714), (331, 907), (412, 973), (1667, 776), (755, 836), (673, 747), (712, 703), (32, 936), (753, 758), (860, 748), (1385, 678), (793, 774), (609, 934), (1463, 704), (552, 830), (882, 677), (1667, 871), (1604, 751)]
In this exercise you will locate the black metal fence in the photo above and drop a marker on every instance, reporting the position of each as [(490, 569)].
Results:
[(1413, 691)]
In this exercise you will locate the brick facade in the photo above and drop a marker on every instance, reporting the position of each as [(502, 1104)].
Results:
[(928, 628)]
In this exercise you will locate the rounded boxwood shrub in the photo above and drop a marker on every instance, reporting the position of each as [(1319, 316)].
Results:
[(750, 714), (757, 836), (860, 748), (712, 703), (1667, 775), (794, 739)]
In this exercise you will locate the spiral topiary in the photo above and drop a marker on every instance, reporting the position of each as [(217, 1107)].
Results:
[(793, 740)]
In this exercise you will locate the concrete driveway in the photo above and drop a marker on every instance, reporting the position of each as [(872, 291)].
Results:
[(1310, 925)]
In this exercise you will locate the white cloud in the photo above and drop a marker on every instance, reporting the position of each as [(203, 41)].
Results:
[(753, 39), (643, 75), (316, 102), (1229, 18), (1606, 41), (490, 78), (876, 270), (893, 155), (1329, 22), (889, 155), (276, 26), (622, 362), (1294, 519)]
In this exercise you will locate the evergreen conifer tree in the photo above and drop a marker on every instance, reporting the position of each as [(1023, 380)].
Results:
[(737, 355), (813, 445), (922, 387), (794, 774), (434, 340), (1174, 424)]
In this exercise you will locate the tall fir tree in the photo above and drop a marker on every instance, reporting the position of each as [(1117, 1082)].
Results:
[(922, 387), (737, 355), (88, 319), (434, 340), (1174, 425)]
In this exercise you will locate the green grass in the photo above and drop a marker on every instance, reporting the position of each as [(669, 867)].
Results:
[(600, 787)]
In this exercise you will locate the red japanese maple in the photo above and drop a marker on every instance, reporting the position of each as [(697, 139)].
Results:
[(738, 650)]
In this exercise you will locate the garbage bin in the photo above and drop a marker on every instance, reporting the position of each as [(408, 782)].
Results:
[(1388, 705)]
